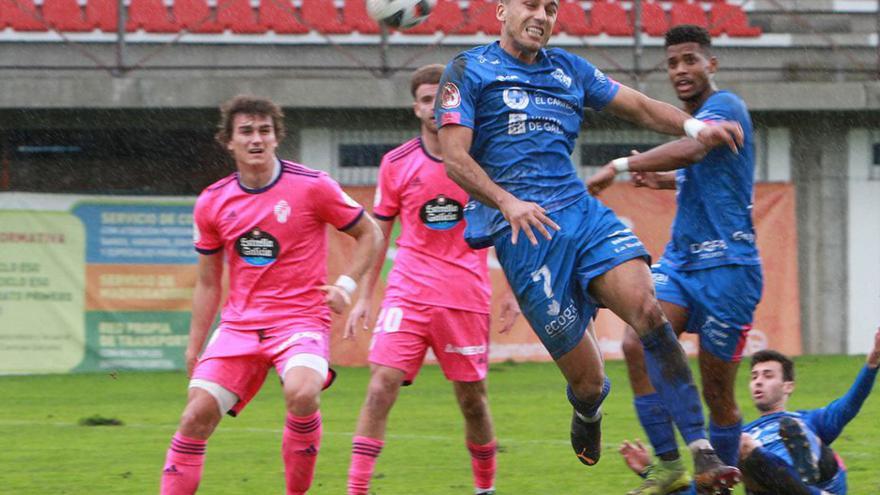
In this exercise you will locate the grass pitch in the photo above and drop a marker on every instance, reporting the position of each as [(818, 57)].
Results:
[(57, 434)]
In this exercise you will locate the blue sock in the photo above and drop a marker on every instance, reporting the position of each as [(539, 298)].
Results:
[(656, 423), (725, 440), (672, 379), (588, 410)]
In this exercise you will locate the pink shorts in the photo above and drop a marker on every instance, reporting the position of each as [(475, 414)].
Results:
[(239, 360), (459, 339)]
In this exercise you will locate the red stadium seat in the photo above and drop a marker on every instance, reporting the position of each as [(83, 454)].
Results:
[(654, 21), (730, 19), (102, 14), (354, 14), (65, 15), (239, 17), (21, 15), (323, 16), (195, 16), (688, 13), (278, 15), (446, 17), (149, 15), (481, 17), (573, 20), (610, 18)]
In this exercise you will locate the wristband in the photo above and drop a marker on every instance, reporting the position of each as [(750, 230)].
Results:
[(346, 283), (620, 164), (692, 127)]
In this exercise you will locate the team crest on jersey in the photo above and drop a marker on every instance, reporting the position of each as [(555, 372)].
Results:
[(441, 213), (562, 77), (450, 97), (257, 247), (282, 211), (516, 98)]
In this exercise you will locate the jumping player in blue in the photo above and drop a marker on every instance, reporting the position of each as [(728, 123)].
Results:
[(788, 452), (709, 279), (509, 114)]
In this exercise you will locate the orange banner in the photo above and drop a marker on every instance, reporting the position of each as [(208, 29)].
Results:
[(650, 213)]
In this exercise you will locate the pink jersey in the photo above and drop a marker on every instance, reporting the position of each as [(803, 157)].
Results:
[(433, 265), (275, 242)]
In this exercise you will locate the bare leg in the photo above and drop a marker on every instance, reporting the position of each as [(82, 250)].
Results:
[(479, 433)]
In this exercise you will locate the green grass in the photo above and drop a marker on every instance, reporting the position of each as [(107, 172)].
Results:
[(46, 450)]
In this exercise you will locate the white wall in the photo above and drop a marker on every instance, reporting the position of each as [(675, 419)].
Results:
[(864, 243)]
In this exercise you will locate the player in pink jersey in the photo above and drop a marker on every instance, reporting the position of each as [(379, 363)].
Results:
[(437, 296), (268, 220)]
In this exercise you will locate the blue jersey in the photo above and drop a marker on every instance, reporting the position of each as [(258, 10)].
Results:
[(822, 425), (713, 223), (525, 119)]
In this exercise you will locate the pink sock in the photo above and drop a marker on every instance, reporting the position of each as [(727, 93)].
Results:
[(364, 452), (299, 449), (183, 465), (483, 464)]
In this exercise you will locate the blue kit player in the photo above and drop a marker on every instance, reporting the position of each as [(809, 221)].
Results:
[(709, 279), (788, 452), (509, 114)]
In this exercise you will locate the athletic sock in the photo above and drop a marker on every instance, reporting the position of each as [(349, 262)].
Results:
[(299, 449), (669, 373), (725, 440), (657, 424), (183, 465), (364, 452), (588, 412), (483, 464)]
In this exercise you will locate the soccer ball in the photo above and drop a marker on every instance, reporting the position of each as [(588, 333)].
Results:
[(400, 14)]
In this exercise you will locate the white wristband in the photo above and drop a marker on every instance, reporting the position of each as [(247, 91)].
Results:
[(346, 283), (620, 165), (692, 127)]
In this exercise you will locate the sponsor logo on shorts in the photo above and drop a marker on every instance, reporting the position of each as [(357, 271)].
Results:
[(317, 337), (515, 98), (709, 249), (441, 213), (468, 350), (450, 97), (562, 322), (743, 236), (660, 278), (717, 331), (257, 247)]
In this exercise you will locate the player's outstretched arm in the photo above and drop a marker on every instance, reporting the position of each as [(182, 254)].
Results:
[(369, 241), (830, 420), (455, 141), (635, 455), (206, 301), (637, 108), (360, 313), (668, 156)]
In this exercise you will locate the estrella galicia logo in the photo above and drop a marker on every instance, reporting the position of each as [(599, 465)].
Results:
[(257, 247), (441, 213)]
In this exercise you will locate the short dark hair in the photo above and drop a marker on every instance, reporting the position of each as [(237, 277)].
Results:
[(689, 33), (248, 105), (768, 355), (426, 74)]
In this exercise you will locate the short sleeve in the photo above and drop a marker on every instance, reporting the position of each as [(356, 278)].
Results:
[(718, 109), (333, 205), (458, 92), (206, 239), (386, 204), (599, 89)]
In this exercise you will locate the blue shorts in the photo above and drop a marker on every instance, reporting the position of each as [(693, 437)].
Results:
[(720, 301), (835, 486), (550, 280)]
